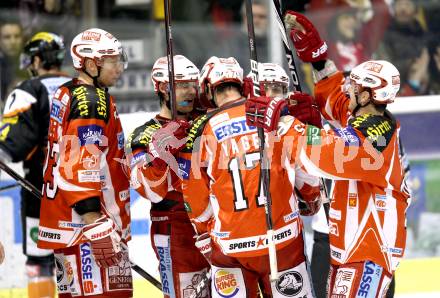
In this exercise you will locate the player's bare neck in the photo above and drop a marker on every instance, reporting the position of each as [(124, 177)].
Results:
[(166, 113), (85, 78), (226, 97)]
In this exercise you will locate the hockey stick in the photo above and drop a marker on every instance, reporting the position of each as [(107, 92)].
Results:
[(170, 56), (32, 189), (295, 80), (264, 168), (6, 187)]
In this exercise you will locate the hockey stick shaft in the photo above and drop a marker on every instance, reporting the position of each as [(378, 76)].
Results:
[(6, 187), (264, 168), (170, 55), (32, 189), (295, 80)]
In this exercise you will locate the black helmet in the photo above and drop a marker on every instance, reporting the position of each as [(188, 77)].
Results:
[(48, 46)]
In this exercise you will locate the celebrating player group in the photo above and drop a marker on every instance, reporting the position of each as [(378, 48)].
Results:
[(230, 164)]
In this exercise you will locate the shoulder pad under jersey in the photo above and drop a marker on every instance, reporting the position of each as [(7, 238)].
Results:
[(89, 102)]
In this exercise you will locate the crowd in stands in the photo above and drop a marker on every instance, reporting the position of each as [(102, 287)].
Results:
[(405, 32)]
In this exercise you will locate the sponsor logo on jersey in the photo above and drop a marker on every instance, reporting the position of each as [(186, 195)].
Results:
[(291, 216), (220, 234), (121, 139), (59, 268), (313, 135), (290, 283), (192, 135), (89, 271), (119, 277), (166, 270), (33, 233), (234, 127), (90, 134), (101, 104), (225, 283), (370, 280), (381, 202), (380, 129), (343, 282), (333, 228), (69, 224), (184, 167), (140, 156), (334, 214), (260, 242), (336, 254), (49, 235), (80, 93), (124, 194), (57, 111), (349, 136), (392, 250), (193, 283), (352, 200), (89, 176)]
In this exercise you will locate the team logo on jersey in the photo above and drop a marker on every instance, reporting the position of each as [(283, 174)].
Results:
[(225, 283), (290, 283), (90, 134)]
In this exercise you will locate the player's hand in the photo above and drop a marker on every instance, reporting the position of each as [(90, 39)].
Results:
[(105, 241), (203, 243), (167, 141), (2, 253), (302, 108), (265, 112), (308, 44), (309, 208)]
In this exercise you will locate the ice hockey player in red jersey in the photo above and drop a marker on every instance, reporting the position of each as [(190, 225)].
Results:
[(156, 176), (221, 186), (85, 204), (360, 151)]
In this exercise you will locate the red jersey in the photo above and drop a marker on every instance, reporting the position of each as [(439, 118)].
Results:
[(370, 197), (85, 159), (222, 184)]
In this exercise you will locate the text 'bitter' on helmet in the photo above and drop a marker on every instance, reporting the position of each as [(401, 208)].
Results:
[(380, 76), (95, 44), (184, 71)]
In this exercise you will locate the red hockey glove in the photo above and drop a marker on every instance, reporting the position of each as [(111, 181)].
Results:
[(309, 208), (248, 88), (203, 243), (105, 241), (167, 141), (265, 112), (302, 108), (308, 44)]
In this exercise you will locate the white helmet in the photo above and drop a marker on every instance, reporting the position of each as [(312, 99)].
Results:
[(184, 71), (95, 44), (380, 76), (220, 70), (272, 73)]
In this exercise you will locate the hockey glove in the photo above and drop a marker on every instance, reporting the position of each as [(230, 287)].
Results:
[(203, 243), (309, 208), (167, 141), (302, 108), (265, 112), (105, 241), (248, 88), (308, 44)]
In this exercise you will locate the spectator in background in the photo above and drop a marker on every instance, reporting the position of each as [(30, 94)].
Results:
[(235, 40), (349, 32), (11, 43), (405, 44), (2, 253), (434, 64)]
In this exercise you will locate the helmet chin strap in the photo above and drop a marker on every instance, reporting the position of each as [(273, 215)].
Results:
[(94, 78)]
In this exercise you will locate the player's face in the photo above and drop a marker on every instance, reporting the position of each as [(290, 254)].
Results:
[(185, 95), (353, 91), (111, 70), (274, 90)]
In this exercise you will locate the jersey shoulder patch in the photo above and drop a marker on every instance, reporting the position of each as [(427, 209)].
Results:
[(89, 102)]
